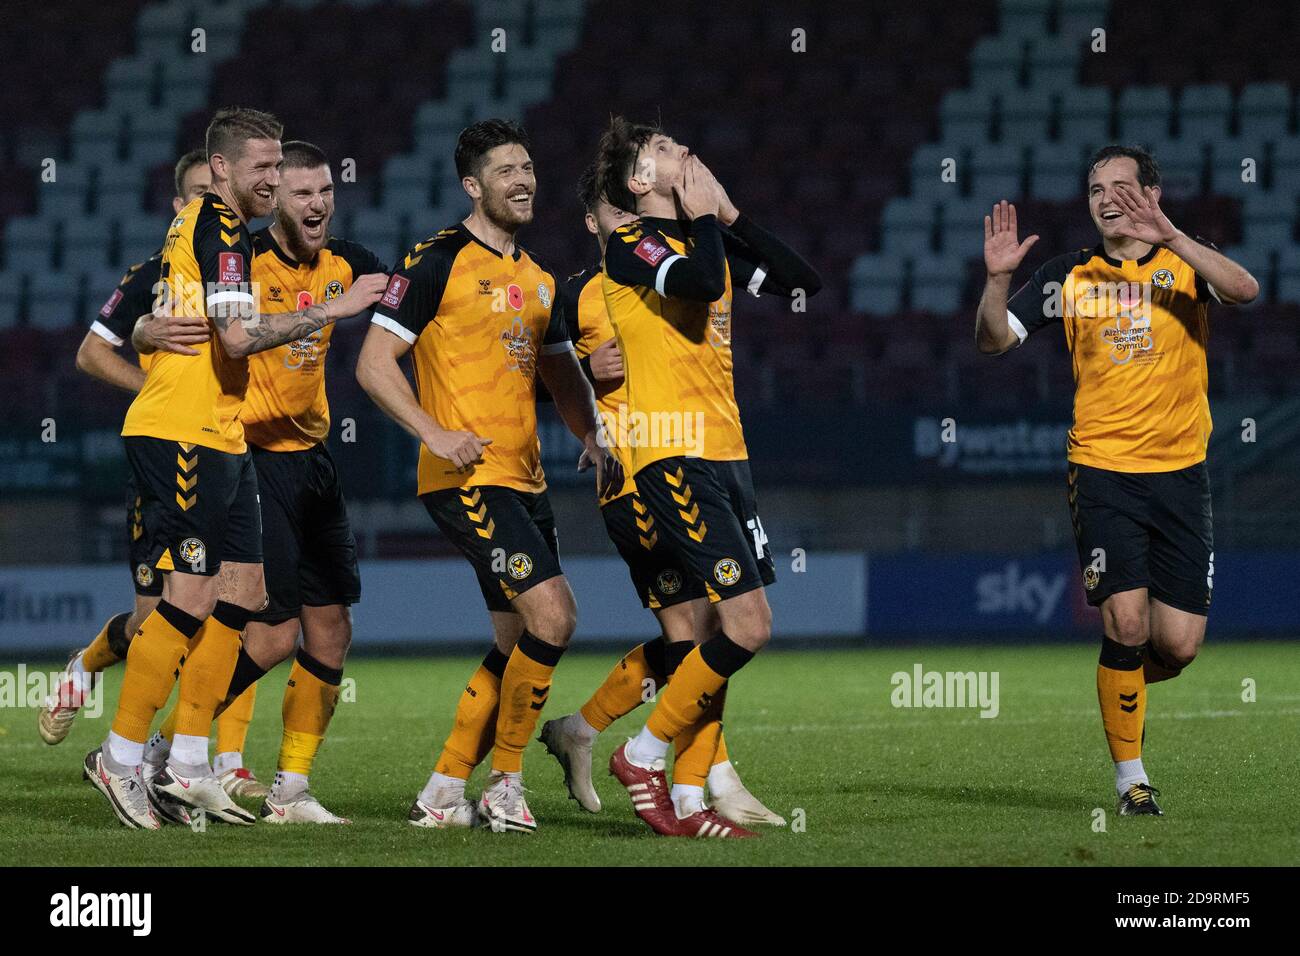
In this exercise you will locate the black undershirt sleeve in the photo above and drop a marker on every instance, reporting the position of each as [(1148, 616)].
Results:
[(750, 248)]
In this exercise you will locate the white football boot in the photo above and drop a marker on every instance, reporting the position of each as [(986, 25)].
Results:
[(198, 789), (503, 807), (54, 718), (729, 796), (460, 814), (302, 807), (573, 751), (124, 789)]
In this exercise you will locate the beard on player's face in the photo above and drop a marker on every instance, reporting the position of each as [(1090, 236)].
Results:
[(508, 206), (252, 196), (305, 229)]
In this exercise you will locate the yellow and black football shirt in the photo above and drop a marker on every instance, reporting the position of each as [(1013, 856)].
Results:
[(133, 297), (285, 408), (477, 322), (589, 327), (197, 398), (1137, 333)]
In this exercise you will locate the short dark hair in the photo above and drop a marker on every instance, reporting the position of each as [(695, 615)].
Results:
[(1148, 168), (233, 126), (476, 141), (616, 159), (588, 191), (183, 165), (302, 155)]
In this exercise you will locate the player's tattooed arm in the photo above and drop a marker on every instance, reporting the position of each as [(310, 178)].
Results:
[(243, 334)]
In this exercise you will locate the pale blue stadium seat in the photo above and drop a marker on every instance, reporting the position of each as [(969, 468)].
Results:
[(1056, 170), (86, 244), (937, 283), (927, 166), (95, 136), (965, 116), (1284, 167), (1085, 116), (1268, 219), (997, 170), (53, 298), (876, 284), (1288, 273), (139, 238), (1145, 114), (11, 295), (1263, 111), (961, 226), (1024, 18), (1077, 19), (1053, 62), (1182, 167), (1204, 112), (996, 62), (1226, 169), (1025, 115), (67, 196), (906, 226), (129, 83)]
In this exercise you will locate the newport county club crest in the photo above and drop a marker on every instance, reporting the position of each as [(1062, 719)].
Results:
[(143, 575), (520, 566), (191, 551), (669, 581), (521, 352), (1091, 578), (727, 571), (1162, 279)]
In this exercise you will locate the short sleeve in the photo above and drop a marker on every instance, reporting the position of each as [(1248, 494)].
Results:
[(412, 297), (133, 297), (557, 339), (1037, 303), (223, 250)]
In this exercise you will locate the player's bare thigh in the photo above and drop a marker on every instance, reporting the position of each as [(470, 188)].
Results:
[(1125, 617), (548, 610), (747, 619), (1176, 635)]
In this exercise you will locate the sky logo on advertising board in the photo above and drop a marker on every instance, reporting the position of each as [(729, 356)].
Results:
[(1011, 591)]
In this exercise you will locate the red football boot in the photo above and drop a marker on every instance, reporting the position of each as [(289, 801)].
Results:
[(648, 788)]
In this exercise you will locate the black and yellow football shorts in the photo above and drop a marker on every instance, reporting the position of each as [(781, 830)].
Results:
[(1151, 530), (707, 513), (205, 501), (309, 554), (141, 527), (658, 574), (507, 535)]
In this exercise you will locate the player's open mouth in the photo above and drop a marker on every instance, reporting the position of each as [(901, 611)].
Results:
[(1111, 216), (521, 200), (312, 225)]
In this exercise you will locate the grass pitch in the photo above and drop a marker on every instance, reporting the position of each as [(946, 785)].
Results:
[(812, 732)]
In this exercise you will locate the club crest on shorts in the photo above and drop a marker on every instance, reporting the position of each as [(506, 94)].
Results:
[(143, 575), (1091, 578), (192, 551), (520, 566), (1162, 279), (727, 571), (668, 581)]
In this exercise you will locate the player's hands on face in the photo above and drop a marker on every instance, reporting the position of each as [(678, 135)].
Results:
[(168, 332), (609, 472), (696, 197), (1003, 251), (1144, 220), (462, 449), (607, 362), (727, 210), (364, 293)]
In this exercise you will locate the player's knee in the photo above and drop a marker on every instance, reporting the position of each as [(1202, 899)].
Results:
[(1180, 654), (554, 623), (1129, 628)]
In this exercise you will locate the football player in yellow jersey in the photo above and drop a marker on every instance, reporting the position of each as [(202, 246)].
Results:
[(481, 320), (1134, 312), (309, 552), (660, 579), (186, 446), (98, 357), (668, 280)]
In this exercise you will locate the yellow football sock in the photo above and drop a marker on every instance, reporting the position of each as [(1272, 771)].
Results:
[(233, 721), (525, 686), (720, 755), (625, 687), (99, 655), (151, 668), (309, 702), (475, 728), (208, 668), (697, 744), (696, 682), (1122, 693)]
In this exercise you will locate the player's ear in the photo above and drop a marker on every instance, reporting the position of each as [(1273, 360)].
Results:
[(590, 220), (472, 187), (177, 205), (1155, 193)]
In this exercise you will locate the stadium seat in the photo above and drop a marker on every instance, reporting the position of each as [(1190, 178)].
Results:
[(1230, 160), (877, 284), (996, 62), (29, 243), (1024, 18), (95, 137), (907, 226), (937, 283), (961, 225), (1056, 170), (1076, 19), (928, 165), (1263, 111), (1288, 274), (1053, 62), (1182, 166), (1268, 219), (130, 84), (86, 244), (997, 171), (964, 116), (1284, 166), (53, 298), (1144, 114), (140, 238), (1257, 261), (1204, 112), (11, 295), (1025, 116), (1085, 113)]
